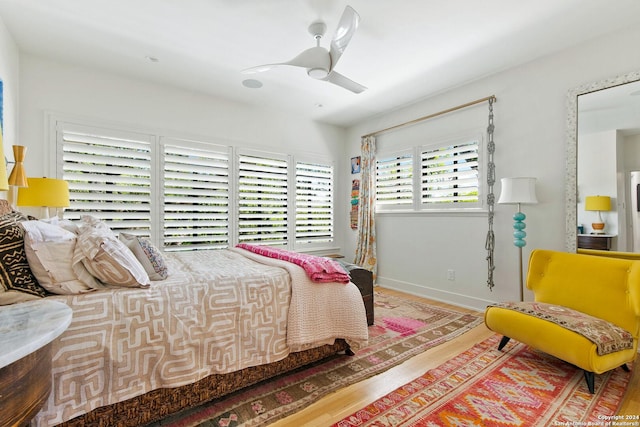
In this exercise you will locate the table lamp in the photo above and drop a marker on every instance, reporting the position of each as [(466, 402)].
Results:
[(18, 177), (599, 204), (45, 193), (519, 191)]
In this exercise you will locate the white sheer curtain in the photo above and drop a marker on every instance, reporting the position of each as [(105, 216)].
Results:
[(366, 247)]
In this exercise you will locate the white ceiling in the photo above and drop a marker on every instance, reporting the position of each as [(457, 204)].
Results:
[(404, 50)]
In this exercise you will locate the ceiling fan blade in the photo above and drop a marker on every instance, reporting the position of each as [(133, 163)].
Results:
[(312, 58), (340, 80), (346, 29), (260, 68)]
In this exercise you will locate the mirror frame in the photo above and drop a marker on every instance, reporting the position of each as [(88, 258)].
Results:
[(571, 184)]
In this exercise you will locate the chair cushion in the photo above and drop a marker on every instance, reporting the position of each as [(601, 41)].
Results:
[(607, 337)]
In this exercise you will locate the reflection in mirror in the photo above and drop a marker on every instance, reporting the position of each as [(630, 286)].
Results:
[(609, 168), (604, 164)]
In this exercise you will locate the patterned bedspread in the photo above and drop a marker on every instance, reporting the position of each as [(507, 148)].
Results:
[(218, 312)]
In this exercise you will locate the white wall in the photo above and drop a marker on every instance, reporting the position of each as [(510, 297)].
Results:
[(9, 74), (48, 86), (415, 251)]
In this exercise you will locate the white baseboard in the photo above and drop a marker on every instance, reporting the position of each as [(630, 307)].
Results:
[(452, 298)]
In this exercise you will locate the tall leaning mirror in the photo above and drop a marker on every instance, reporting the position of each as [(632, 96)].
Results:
[(603, 149)]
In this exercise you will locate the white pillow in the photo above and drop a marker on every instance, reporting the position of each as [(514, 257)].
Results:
[(62, 223), (50, 250), (148, 255), (107, 258)]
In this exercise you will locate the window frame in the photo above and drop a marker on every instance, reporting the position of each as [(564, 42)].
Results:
[(387, 207), (327, 241), (416, 149), (446, 144), (266, 156), (216, 153), (158, 140)]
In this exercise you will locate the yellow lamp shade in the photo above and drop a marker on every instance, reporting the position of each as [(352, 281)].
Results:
[(597, 203), (47, 192)]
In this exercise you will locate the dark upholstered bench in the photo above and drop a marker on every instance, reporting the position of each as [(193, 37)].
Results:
[(363, 279)]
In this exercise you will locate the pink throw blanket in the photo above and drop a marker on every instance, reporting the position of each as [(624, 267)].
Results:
[(319, 269)]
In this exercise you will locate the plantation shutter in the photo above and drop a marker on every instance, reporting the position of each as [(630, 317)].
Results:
[(262, 199), (394, 181), (450, 174), (196, 196), (314, 203), (109, 175), (189, 195)]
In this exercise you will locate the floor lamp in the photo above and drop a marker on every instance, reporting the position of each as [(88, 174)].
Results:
[(518, 191)]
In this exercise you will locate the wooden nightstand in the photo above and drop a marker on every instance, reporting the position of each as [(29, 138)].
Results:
[(595, 241), (26, 333)]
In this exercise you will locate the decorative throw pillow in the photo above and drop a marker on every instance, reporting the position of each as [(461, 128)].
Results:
[(107, 258), (5, 207), (148, 255), (17, 282), (50, 251)]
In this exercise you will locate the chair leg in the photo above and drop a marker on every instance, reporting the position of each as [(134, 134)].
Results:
[(626, 368), (503, 342), (590, 377)]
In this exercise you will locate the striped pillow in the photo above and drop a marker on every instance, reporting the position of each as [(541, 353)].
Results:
[(108, 259)]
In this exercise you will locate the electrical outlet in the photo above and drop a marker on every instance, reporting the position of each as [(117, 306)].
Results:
[(451, 275)]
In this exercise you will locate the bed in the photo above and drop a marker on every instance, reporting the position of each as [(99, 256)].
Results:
[(216, 322)]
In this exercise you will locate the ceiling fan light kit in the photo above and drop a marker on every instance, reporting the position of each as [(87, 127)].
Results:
[(320, 62), (318, 73)]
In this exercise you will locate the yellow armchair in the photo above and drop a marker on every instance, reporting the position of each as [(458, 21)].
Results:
[(577, 297)]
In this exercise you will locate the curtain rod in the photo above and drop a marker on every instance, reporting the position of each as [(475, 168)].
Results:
[(430, 116)]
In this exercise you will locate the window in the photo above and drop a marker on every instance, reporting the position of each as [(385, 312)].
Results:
[(314, 204), (262, 200), (394, 181), (109, 176), (447, 177), (189, 195), (449, 174), (196, 196)]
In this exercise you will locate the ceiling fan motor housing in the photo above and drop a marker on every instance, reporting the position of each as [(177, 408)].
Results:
[(317, 29)]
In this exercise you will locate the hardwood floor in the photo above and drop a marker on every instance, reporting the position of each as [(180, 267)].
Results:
[(344, 402)]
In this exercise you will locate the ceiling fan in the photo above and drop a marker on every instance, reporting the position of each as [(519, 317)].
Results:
[(320, 62)]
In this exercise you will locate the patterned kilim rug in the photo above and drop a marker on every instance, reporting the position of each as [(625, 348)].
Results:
[(486, 387), (402, 329)]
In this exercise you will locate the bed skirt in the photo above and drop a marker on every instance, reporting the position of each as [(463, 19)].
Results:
[(160, 403)]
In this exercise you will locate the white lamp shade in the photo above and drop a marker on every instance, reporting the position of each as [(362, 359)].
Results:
[(518, 190)]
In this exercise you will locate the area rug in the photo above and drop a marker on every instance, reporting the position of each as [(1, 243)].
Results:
[(518, 386), (402, 328)]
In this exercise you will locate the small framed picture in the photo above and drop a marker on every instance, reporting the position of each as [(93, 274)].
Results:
[(355, 164)]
